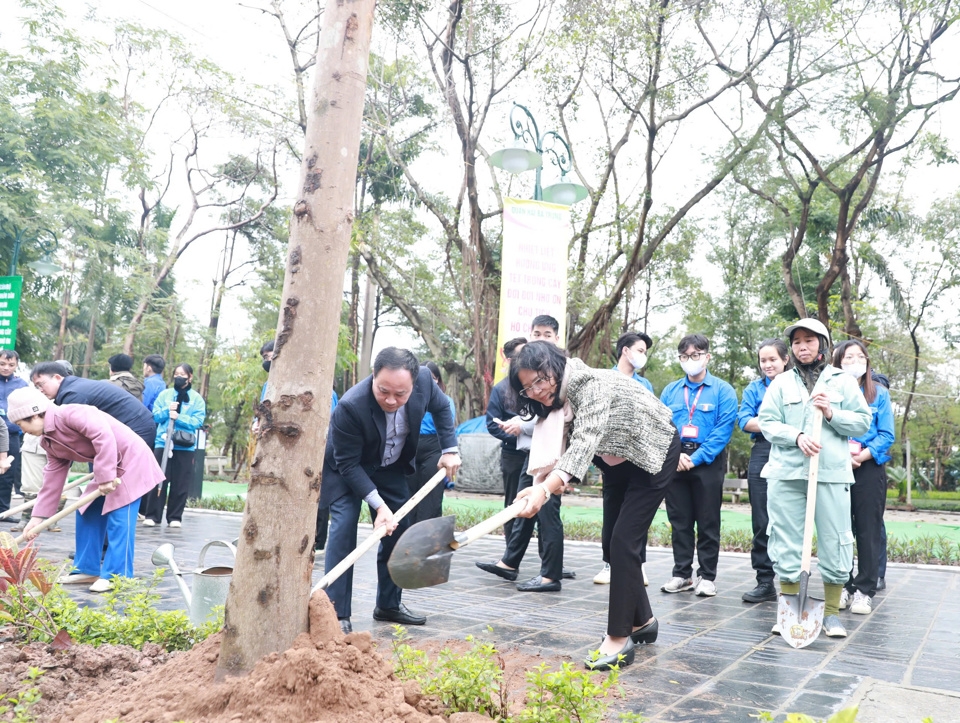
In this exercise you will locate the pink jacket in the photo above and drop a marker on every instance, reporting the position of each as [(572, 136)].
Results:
[(81, 433)]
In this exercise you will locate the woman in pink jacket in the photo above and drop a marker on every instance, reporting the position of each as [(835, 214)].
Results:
[(123, 466)]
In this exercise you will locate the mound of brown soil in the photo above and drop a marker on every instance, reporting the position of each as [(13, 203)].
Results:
[(324, 677)]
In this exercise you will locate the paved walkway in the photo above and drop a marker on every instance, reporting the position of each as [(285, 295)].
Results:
[(715, 659)]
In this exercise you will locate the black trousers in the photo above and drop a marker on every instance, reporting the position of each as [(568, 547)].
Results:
[(512, 464), (757, 486), (630, 501), (606, 531), (549, 535), (10, 479), (173, 489), (428, 454), (868, 498), (694, 499)]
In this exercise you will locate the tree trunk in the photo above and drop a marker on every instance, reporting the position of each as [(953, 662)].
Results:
[(369, 314), (267, 605), (91, 339), (210, 342), (64, 314)]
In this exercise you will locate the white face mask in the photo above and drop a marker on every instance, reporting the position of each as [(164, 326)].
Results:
[(639, 360), (691, 368), (856, 370)]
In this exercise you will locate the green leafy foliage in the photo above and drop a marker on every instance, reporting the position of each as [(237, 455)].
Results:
[(27, 591), (17, 707), (567, 695)]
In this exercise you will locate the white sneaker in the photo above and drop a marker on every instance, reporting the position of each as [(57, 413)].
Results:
[(101, 585), (76, 578), (833, 627), (646, 582), (844, 599), (862, 604), (677, 584), (706, 588), (149, 523), (603, 577), (141, 518), (175, 524)]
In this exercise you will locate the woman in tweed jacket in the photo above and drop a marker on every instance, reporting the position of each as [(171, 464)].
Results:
[(627, 432)]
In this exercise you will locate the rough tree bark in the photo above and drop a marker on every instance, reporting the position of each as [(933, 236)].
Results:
[(267, 605)]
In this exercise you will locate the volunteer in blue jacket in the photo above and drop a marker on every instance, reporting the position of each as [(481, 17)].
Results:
[(188, 410), (704, 411), (868, 496), (632, 351), (773, 358)]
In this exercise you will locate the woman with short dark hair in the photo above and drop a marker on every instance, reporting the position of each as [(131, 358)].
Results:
[(589, 415)]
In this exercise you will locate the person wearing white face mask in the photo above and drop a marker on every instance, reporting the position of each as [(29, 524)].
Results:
[(704, 412), (868, 496)]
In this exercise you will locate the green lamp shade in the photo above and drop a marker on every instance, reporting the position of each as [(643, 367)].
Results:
[(516, 160), (566, 194), (45, 266)]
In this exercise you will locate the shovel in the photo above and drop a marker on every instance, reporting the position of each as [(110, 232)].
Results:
[(167, 449), (68, 510), (27, 505), (421, 558), (378, 533), (801, 616)]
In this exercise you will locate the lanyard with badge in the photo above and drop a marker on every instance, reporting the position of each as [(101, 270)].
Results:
[(690, 430)]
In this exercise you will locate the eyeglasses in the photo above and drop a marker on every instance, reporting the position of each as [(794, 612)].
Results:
[(536, 386), (696, 356)]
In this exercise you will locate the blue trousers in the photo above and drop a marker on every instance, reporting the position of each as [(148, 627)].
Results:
[(118, 528), (342, 540)]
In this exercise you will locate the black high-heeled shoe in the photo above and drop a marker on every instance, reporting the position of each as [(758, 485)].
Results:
[(621, 659), (647, 634)]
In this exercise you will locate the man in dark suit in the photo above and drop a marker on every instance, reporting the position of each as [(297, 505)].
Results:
[(371, 448)]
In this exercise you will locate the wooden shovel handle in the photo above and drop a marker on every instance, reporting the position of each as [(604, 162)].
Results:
[(27, 505), (378, 533), (489, 525), (69, 509), (811, 494)]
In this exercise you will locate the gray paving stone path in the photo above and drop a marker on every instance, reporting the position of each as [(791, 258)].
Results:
[(715, 659)]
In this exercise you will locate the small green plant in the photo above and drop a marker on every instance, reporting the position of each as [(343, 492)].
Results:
[(566, 695), (17, 707), (25, 594), (847, 715), (223, 503)]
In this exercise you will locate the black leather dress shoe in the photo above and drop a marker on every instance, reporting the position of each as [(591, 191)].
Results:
[(346, 627), (621, 659), (400, 615), (568, 574), (763, 592), (647, 634), (493, 567), (536, 584), (881, 584)]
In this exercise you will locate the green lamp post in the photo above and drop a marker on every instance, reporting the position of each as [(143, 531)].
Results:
[(520, 159), (45, 266)]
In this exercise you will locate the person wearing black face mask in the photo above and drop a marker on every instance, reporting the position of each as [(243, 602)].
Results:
[(187, 410)]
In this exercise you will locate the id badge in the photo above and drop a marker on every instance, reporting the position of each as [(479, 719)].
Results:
[(690, 431), (855, 447)]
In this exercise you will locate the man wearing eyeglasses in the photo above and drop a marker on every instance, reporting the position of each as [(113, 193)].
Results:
[(704, 411)]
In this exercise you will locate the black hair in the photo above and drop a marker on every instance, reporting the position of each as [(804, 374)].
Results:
[(629, 339), (9, 354), (48, 369), (155, 362), (186, 367), (549, 361), (510, 348), (780, 346), (435, 370), (869, 386), (395, 358), (697, 341), (267, 347), (546, 320), (120, 363)]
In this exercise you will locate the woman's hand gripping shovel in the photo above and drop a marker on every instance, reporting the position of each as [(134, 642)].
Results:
[(68, 510), (421, 558), (801, 616), (378, 533)]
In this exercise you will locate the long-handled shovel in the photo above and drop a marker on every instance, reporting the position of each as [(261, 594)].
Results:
[(421, 558), (378, 533), (801, 616), (167, 448), (68, 510), (27, 505)]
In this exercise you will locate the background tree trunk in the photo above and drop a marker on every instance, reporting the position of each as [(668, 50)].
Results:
[(267, 605)]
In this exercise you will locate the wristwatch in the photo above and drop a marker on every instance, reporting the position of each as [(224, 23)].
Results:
[(546, 492)]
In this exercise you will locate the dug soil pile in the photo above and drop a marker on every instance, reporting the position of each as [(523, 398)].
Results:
[(324, 677)]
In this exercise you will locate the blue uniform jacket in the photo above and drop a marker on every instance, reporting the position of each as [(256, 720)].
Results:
[(715, 414), (7, 385), (880, 437), (637, 378), (152, 386), (750, 404), (428, 427)]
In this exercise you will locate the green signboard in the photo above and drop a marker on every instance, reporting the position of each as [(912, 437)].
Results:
[(9, 310)]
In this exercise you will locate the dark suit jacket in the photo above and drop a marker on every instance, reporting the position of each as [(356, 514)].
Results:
[(119, 404), (358, 433)]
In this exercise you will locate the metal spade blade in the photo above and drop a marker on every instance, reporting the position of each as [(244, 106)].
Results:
[(421, 557), (800, 616)]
